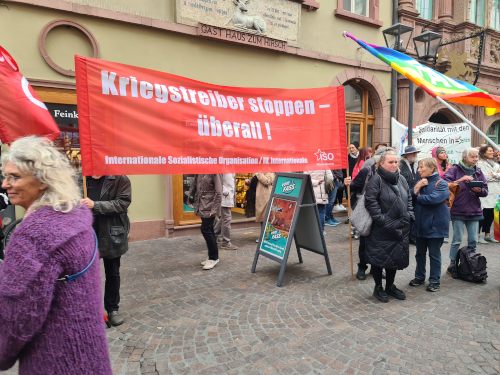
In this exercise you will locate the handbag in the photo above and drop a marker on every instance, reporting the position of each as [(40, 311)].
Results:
[(360, 218), (329, 185), (454, 189)]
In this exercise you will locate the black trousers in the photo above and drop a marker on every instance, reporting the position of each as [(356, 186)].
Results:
[(485, 224), (362, 253), (390, 275), (112, 285), (207, 230)]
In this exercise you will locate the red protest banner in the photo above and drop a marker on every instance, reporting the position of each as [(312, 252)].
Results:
[(139, 121), (21, 111)]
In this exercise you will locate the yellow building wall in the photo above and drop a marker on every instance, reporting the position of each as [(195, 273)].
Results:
[(202, 59)]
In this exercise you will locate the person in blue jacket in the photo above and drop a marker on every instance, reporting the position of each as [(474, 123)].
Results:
[(432, 218)]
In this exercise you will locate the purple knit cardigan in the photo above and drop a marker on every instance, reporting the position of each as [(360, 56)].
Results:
[(52, 327)]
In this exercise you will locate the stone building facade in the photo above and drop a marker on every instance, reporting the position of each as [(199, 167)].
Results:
[(453, 19)]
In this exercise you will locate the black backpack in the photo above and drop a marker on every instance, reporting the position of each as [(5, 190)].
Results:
[(470, 266)]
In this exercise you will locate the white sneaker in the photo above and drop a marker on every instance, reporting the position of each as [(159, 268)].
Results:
[(342, 208), (209, 264), (336, 208), (482, 240), (204, 262), (228, 246), (490, 239)]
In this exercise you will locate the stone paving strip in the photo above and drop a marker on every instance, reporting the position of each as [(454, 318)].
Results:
[(183, 320)]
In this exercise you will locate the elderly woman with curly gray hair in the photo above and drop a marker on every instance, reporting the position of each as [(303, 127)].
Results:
[(51, 313)]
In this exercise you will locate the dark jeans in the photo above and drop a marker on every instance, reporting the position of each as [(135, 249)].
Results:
[(207, 230), (112, 284), (434, 247), (331, 201), (362, 253), (321, 209), (485, 224), (390, 275)]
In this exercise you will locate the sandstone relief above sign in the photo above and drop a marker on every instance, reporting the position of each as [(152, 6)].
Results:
[(274, 19)]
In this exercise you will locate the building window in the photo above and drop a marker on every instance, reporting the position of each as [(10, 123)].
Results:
[(360, 11), (495, 15), (494, 131), (424, 7), (357, 6), (477, 12), (359, 115)]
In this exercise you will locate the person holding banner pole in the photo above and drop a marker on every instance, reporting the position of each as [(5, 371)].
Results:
[(206, 195), (389, 203)]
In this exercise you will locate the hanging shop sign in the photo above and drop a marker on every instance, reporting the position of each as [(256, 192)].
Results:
[(139, 121), (292, 215)]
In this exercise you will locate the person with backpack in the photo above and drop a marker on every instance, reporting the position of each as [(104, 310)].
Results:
[(432, 218), (466, 210)]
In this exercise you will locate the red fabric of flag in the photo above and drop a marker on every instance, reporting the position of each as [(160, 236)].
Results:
[(22, 113)]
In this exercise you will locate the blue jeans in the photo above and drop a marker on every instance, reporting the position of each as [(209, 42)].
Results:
[(331, 199), (321, 209), (434, 247), (472, 227)]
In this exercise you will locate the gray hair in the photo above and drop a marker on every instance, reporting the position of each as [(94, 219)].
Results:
[(469, 151), (381, 151), (38, 157), (388, 151)]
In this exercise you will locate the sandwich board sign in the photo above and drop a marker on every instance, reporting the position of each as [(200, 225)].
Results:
[(291, 215)]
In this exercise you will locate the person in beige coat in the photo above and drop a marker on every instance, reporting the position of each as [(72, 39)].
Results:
[(318, 179), (264, 189)]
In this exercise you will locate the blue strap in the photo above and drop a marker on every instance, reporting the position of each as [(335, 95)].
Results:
[(78, 274)]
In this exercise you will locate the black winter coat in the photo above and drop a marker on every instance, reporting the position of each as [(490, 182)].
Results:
[(110, 212), (391, 209)]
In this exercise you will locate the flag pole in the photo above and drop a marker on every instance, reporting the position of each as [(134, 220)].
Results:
[(488, 139), (349, 212)]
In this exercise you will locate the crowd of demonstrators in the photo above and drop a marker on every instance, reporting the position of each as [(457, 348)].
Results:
[(109, 198), (319, 179), (439, 154), (223, 225), (491, 171), (466, 211), (388, 201), (432, 221), (206, 195), (48, 324)]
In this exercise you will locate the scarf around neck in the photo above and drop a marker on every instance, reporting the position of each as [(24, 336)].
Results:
[(390, 177), (469, 171)]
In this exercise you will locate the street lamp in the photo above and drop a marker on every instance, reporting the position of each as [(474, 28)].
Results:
[(398, 36), (427, 45)]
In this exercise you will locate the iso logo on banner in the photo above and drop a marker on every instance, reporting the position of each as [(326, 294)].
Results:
[(287, 187), (324, 156)]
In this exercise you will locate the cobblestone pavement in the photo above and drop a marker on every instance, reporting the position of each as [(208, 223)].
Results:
[(183, 320)]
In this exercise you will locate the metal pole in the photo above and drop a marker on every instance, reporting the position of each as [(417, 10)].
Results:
[(447, 105), (410, 112), (394, 74)]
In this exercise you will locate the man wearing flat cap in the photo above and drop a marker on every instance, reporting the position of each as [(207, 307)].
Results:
[(408, 169)]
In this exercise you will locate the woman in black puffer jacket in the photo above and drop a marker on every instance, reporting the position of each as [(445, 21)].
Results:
[(388, 201)]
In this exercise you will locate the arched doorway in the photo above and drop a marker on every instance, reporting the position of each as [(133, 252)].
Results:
[(359, 114), (443, 116)]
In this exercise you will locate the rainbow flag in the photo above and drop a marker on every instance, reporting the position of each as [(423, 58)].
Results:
[(432, 81)]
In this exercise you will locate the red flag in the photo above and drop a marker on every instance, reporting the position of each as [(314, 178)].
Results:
[(22, 113)]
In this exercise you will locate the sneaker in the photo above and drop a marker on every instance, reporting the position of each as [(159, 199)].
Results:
[(417, 282), (219, 239), (332, 222), (228, 246), (342, 208), (380, 294), (204, 262), (361, 274), (482, 240), (336, 208), (451, 267), (209, 264), (395, 292), (257, 240), (490, 239), (115, 319), (432, 287)]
